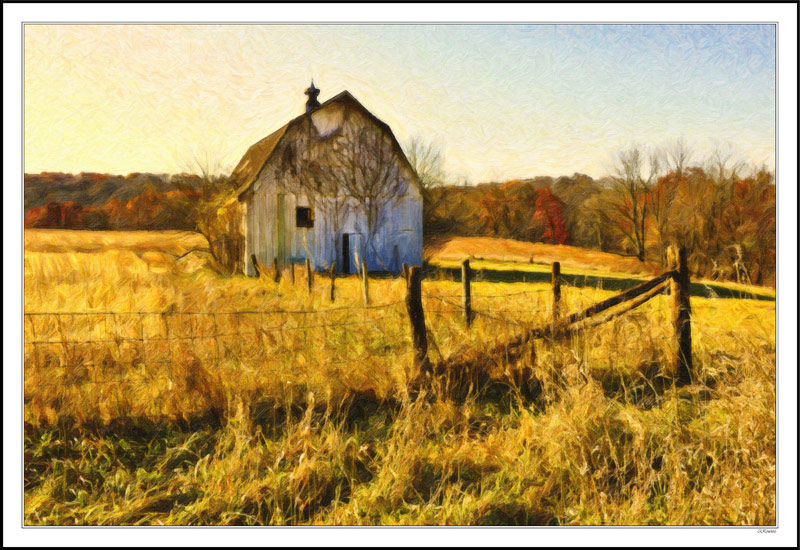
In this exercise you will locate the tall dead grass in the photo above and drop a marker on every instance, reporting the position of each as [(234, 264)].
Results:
[(317, 425)]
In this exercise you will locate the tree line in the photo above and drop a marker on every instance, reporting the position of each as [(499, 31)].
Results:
[(722, 210), (153, 210)]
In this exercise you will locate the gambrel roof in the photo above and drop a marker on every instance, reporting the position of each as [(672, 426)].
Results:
[(249, 167)]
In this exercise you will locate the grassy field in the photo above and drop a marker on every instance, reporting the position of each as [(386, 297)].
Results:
[(520, 252), (301, 411), (510, 260)]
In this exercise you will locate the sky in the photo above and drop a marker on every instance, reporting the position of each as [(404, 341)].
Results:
[(501, 101)]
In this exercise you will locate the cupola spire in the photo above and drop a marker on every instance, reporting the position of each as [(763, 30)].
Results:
[(312, 94)]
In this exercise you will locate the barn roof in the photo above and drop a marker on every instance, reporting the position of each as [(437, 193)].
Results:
[(249, 167)]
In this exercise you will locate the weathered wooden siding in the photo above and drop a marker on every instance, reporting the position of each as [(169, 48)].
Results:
[(402, 227), (260, 227), (272, 232)]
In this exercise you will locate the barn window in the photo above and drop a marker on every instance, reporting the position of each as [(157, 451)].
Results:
[(305, 216)]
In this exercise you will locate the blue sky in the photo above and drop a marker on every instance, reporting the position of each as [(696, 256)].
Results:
[(502, 101)]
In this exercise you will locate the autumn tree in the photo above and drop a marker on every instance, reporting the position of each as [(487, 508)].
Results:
[(660, 200), (581, 225), (521, 196), (548, 215), (593, 231), (495, 211)]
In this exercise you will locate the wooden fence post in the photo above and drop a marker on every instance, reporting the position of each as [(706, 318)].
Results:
[(405, 273), (275, 267), (417, 316), (556, 290), (309, 274), (255, 264), (293, 277), (365, 281), (333, 282), (681, 315), (466, 292)]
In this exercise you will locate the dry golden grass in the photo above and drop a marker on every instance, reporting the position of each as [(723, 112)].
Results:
[(309, 418), (165, 242), (523, 258)]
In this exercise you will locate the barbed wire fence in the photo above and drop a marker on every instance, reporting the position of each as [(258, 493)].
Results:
[(162, 337), (136, 335), (675, 281)]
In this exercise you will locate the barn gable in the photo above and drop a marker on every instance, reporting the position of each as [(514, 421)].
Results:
[(301, 204), (246, 172)]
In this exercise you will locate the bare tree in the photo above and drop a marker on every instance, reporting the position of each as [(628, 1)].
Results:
[(352, 169), (306, 174), (678, 154), (365, 165), (426, 160), (215, 213), (626, 208), (724, 166)]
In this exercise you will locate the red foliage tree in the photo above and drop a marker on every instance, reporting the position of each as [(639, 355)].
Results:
[(548, 215)]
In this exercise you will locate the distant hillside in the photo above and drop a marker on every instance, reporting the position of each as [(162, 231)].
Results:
[(90, 189)]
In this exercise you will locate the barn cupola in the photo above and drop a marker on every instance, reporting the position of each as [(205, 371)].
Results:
[(312, 94)]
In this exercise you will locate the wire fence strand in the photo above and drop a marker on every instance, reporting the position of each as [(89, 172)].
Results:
[(205, 329)]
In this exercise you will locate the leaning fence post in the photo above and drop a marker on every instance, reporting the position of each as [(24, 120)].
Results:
[(405, 273), (333, 282), (417, 316), (277, 272), (681, 314), (255, 264), (365, 281), (556, 290), (466, 292), (309, 274)]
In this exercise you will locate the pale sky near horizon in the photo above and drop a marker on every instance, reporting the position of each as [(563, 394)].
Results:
[(502, 101)]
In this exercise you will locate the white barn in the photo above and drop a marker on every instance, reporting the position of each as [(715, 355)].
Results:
[(332, 185)]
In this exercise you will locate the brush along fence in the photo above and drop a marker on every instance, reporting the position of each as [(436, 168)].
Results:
[(164, 336)]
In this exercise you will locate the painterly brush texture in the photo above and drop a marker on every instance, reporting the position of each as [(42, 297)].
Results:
[(507, 101), (285, 417), (220, 323)]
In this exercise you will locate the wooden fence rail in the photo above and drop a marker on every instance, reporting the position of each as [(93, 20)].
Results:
[(676, 280)]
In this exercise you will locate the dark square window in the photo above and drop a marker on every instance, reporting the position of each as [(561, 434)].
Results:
[(305, 216)]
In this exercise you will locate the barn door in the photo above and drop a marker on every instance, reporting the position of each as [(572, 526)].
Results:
[(345, 252)]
